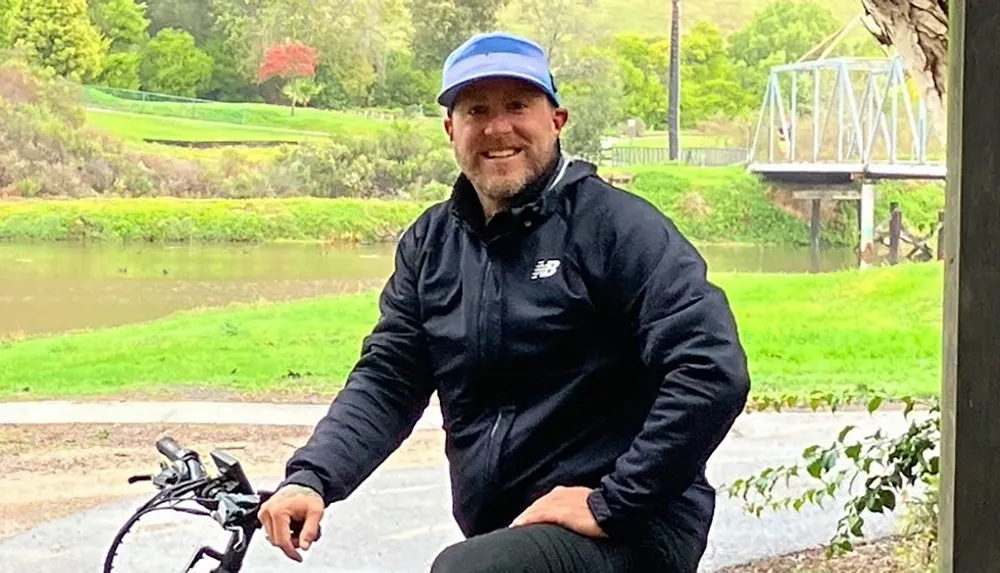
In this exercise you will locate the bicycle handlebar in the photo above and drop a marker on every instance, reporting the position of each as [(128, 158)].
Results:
[(228, 498), (186, 460), (171, 449)]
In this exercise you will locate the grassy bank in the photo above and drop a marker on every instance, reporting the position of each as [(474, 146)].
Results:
[(880, 329), (708, 205), (206, 220), (138, 127), (245, 115)]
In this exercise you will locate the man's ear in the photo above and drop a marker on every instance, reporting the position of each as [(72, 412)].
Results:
[(559, 118), (449, 128)]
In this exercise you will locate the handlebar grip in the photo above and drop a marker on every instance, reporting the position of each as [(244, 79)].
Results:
[(170, 448)]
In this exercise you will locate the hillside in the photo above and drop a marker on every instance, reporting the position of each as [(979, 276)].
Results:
[(652, 17)]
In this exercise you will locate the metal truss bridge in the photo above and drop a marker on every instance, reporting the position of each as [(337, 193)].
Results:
[(841, 120)]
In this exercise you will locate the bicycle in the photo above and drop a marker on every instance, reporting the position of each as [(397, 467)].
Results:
[(229, 498)]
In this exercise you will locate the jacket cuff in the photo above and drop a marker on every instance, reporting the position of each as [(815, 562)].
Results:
[(610, 523), (307, 479)]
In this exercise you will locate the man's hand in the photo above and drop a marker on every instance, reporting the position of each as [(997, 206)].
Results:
[(565, 506), (292, 503)]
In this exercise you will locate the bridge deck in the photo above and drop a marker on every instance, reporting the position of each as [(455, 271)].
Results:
[(834, 173)]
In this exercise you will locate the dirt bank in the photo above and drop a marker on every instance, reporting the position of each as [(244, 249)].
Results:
[(50, 471)]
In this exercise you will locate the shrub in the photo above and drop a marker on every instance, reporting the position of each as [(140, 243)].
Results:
[(46, 150)]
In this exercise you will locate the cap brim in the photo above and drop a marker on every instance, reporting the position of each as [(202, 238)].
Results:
[(448, 96)]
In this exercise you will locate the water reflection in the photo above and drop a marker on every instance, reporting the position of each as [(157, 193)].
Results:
[(53, 288)]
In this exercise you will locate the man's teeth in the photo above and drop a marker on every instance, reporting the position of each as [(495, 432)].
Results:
[(500, 154)]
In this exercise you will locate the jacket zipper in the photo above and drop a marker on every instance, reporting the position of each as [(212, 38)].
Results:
[(496, 424)]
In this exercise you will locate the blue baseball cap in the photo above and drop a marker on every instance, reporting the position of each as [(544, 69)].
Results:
[(496, 54)]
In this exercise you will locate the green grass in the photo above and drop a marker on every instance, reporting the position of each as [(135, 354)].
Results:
[(206, 220), (247, 115), (137, 127), (879, 329)]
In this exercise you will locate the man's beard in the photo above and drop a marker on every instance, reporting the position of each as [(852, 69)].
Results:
[(501, 185)]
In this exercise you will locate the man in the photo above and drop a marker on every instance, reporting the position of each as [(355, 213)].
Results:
[(586, 370)]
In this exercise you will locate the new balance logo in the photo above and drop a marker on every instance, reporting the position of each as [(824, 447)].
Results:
[(544, 269)]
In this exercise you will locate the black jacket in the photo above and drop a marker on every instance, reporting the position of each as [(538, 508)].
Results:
[(574, 340)]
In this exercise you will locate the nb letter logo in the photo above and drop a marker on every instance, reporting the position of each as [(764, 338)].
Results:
[(544, 269)]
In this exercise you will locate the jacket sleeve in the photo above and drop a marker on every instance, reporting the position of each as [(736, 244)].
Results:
[(383, 398), (689, 345)]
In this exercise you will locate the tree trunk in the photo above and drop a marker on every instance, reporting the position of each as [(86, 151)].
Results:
[(674, 103), (918, 30)]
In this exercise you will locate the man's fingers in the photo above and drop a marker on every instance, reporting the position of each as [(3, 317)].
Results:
[(310, 529), (264, 516), (282, 536), (532, 515)]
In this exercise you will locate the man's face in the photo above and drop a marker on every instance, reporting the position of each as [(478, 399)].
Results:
[(504, 133)]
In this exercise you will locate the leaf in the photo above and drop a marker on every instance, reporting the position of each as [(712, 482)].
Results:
[(888, 499), (829, 459), (874, 404), (844, 432), (856, 525), (815, 468), (873, 502), (853, 452)]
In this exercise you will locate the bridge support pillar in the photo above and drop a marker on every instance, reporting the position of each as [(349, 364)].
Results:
[(866, 247)]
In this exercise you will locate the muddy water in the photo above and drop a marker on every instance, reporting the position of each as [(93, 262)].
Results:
[(59, 287)]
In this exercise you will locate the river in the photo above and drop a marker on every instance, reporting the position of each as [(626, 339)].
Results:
[(55, 288)]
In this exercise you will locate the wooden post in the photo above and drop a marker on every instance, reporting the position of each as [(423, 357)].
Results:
[(814, 228), (895, 227), (970, 423), (867, 243)]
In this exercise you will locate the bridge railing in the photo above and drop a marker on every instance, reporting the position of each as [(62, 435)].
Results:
[(701, 156), (877, 115)]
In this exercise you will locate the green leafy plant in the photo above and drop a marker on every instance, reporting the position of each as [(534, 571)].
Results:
[(888, 469)]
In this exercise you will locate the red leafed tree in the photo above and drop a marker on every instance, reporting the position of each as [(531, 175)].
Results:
[(293, 61), (288, 60)]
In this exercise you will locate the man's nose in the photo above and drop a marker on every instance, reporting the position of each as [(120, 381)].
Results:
[(499, 124)]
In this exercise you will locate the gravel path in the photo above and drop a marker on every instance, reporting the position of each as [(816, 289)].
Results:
[(400, 517)]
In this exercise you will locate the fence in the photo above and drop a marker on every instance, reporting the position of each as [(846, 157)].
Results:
[(701, 156)]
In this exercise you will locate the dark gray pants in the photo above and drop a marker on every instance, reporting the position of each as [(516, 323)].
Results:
[(541, 548)]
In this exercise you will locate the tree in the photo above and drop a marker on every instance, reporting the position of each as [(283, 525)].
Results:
[(708, 81), (124, 25), (174, 65), (402, 84), (345, 32), (440, 26), (918, 30), (293, 61), (591, 88), (195, 17), (644, 65), (9, 11), (778, 34), (58, 35), (555, 24)]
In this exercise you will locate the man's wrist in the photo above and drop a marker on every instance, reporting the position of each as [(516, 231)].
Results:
[(305, 478)]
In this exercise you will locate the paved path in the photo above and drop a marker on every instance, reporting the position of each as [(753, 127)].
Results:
[(399, 519)]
